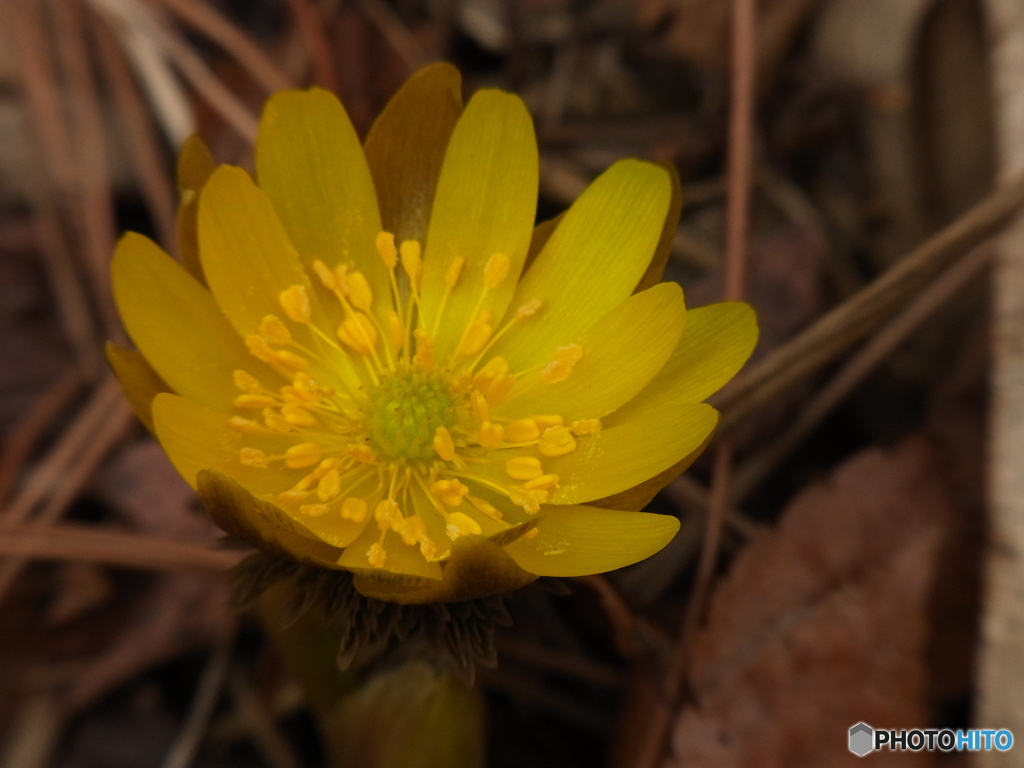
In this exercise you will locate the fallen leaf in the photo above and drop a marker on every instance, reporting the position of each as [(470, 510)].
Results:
[(823, 623)]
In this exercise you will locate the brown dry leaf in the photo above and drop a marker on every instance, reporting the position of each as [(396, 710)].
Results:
[(823, 623)]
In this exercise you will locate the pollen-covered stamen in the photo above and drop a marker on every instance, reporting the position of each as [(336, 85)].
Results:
[(451, 279), (450, 492), (585, 427), (294, 300), (522, 431), (556, 441), (529, 500), (565, 360), (477, 334), (490, 435), (461, 524), (358, 333), (412, 262), (524, 468), (424, 358), (302, 455), (443, 444), (484, 506)]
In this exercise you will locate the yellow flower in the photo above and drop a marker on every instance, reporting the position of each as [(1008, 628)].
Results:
[(361, 372)]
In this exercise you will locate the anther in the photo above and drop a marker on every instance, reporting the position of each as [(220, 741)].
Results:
[(529, 309), (565, 360), (495, 270), (253, 457), (386, 249), (275, 421), (461, 524), (412, 260), (424, 357), (326, 276), (523, 468), (302, 455), (500, 388), (314, 510), (299, 416), (360, 452), (291, 360), (451, 275), (259, 348), (495, 367), (481, 410), (544, 482), (246, 382), (387, 514), (245, 426), (522, 430), (428, 549), (359, 291), (443, 444), (354, 509), (411, 529), (293, 495), (358, 333), (376, 555), (548, 421), (477, 334), (556, 441), (255, 401), (529, 500), (294, 300), (491, 435), (329, 486), (451, 492), (486, 507), (584, 427)]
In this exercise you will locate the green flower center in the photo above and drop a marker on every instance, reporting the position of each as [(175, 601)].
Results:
[(404, 412)]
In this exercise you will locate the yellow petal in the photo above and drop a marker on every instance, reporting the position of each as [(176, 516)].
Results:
[(656, 268), (195, 164), (716, 343), (478, 567), (247, 257), (592, 261), (621, 353), (197, 438), (177, 325), (406, 146), (260, 523), (311, 165), (646, 436), (485, 205), (577, 541), (138, 380)]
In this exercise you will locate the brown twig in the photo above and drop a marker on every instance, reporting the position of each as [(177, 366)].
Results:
[(142, 142), (397, 35), (619, 614), (311, 27), (261, 725), (859, 315), (883, 344), (91, 204), (120, 549), (208, 692), (24, 436), (205, 19)]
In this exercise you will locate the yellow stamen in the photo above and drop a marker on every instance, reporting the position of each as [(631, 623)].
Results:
[(273, 329), (486, 507), (495, 270), (329, 486), (360, 452), (387, 514), (412, 530), (359, 291), (253, 457), (451, 275), (530, 534), (424, 357), (494, 368), (544, 482), (358, 333), (292, 496), (245, 426), (386, 249), (326, 276), (565, 360), (450, 492), (584, 427), (299, 416), (315, 510), (500, 388), (556, 441), (354, 509), (412, 261), (255, 401), (443, 444), (291, 360), (302, 455), (529, 500), (295, 302), (548, 421), (259, 348), (477, 333), (491, 435), (376, 555), (246, 382), (461, 524), (522, 430), (396, 329), (524, 468), (429, 550), (529, 309), (481, 410), (275, 421)]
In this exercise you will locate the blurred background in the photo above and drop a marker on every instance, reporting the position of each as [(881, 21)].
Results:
[(831, 560)]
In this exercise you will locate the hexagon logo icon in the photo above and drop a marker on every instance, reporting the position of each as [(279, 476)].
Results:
[(862, 738)]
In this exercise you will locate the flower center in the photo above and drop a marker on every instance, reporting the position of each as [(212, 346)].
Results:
[(405, 411)]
